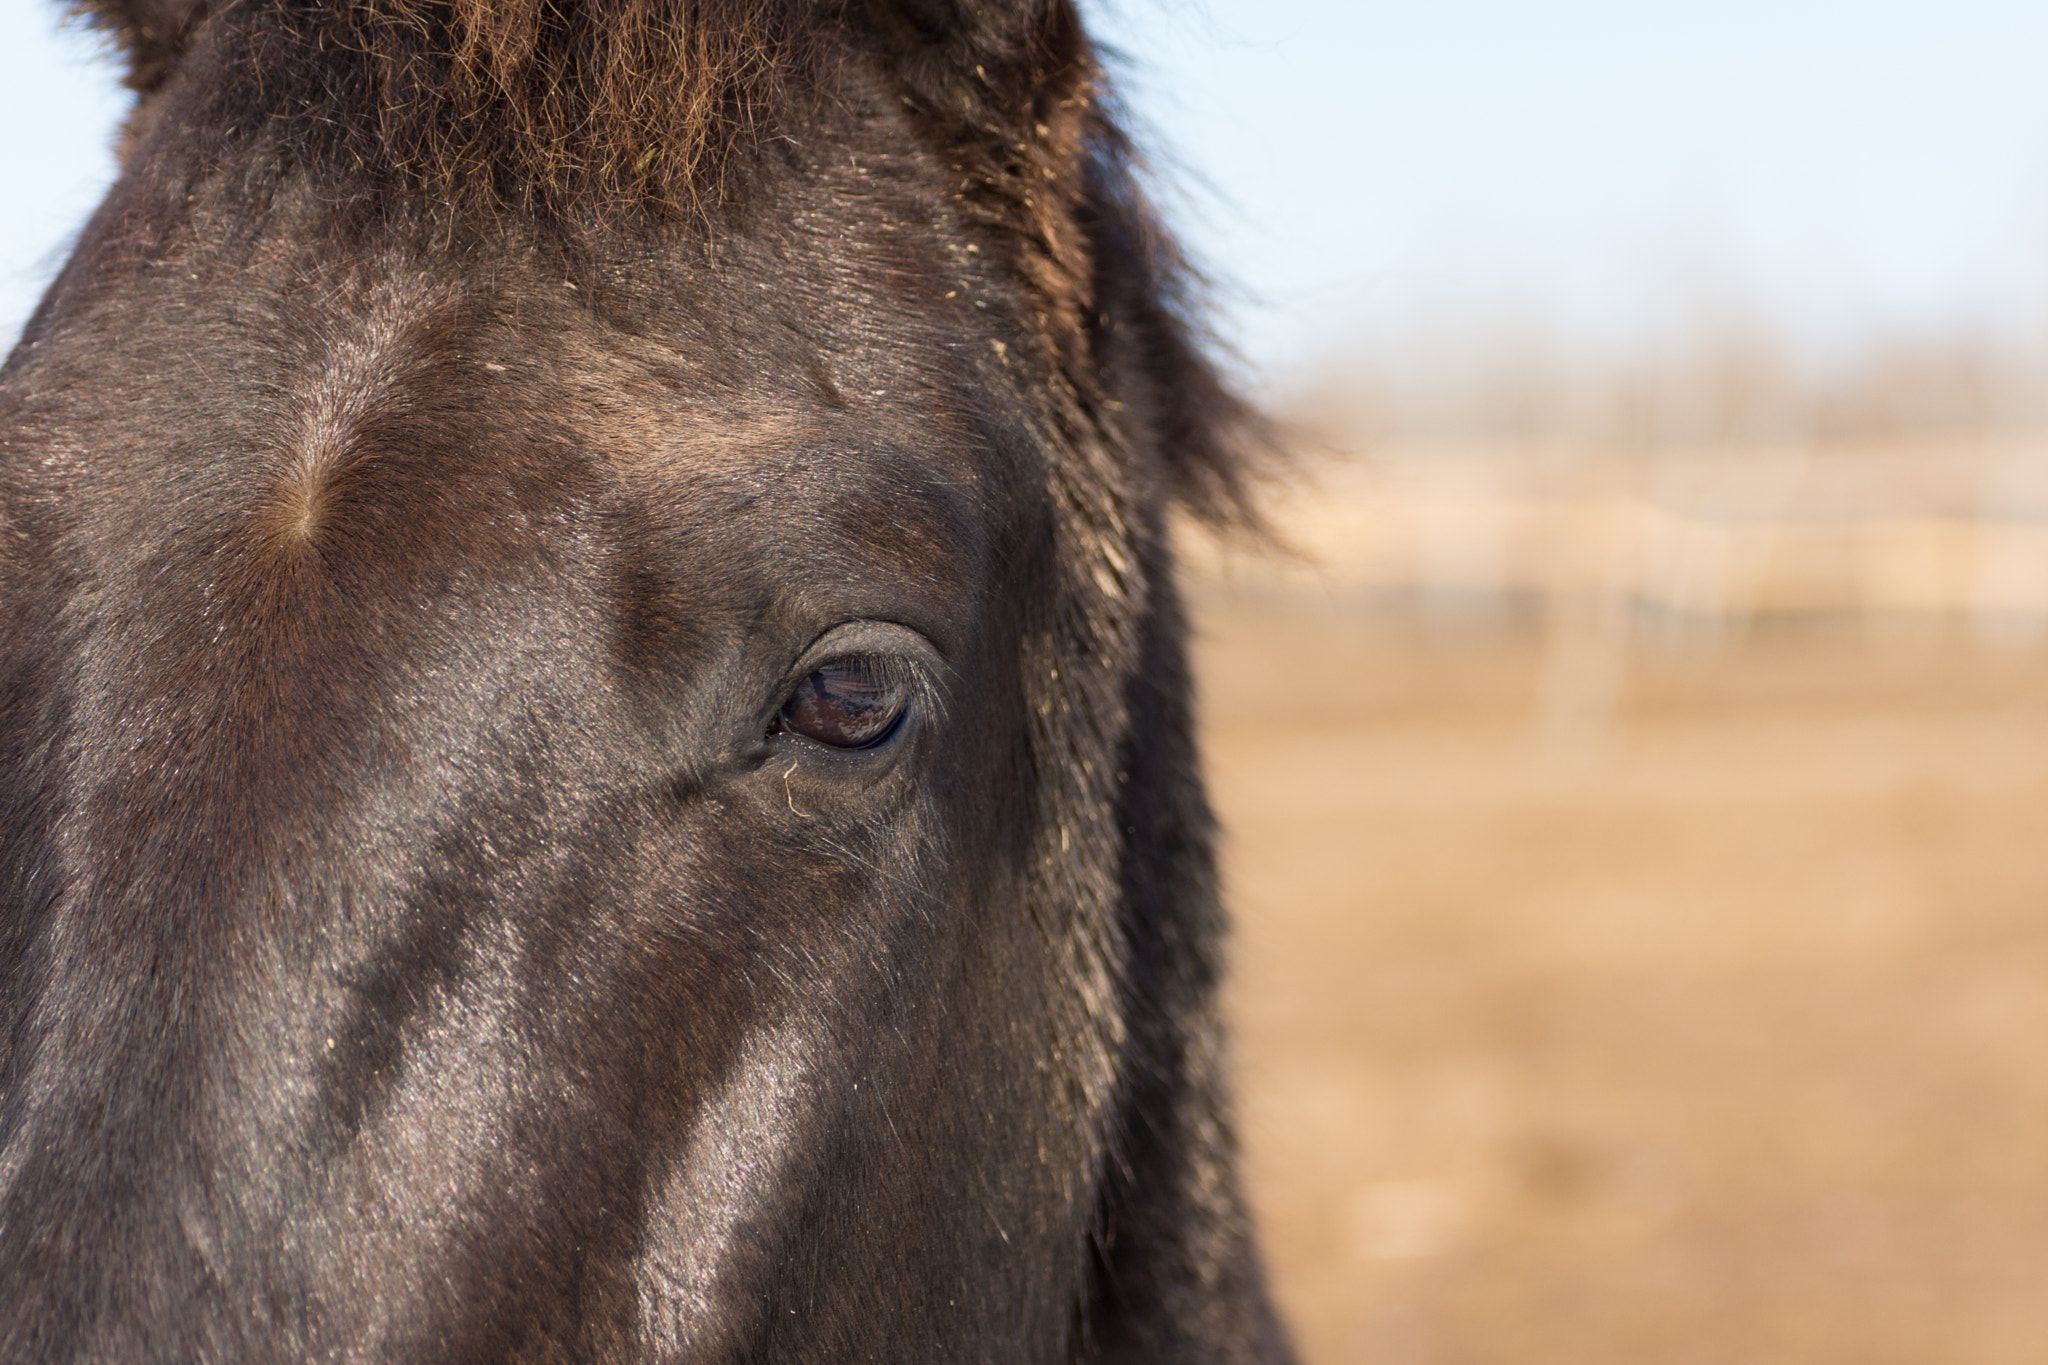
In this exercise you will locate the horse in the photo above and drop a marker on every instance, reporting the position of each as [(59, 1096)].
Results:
[(595, 747)]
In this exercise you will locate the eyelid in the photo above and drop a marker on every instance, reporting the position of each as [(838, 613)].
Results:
[(862, 638)]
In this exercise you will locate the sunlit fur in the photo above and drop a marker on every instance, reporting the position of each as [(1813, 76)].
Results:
[(459, 430)]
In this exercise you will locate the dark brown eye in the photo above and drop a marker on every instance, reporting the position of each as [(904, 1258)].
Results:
[(849, 704)]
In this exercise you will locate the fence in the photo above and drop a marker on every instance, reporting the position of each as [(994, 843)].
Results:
[(1686, 547)]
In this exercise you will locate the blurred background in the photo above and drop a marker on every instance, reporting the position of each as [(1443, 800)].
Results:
[(1636, 774)]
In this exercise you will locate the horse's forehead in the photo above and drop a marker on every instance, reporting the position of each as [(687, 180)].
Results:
[(710, 439), (687, 398)]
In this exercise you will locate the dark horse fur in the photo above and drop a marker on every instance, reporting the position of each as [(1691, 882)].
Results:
[(461, 433)]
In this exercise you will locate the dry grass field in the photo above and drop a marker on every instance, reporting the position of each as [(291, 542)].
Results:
[(1714, 1032)]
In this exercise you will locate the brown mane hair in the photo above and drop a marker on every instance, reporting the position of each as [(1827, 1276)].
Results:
[(535, 104), (626, 97)]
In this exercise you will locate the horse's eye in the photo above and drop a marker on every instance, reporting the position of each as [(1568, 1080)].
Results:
[(848, 704)]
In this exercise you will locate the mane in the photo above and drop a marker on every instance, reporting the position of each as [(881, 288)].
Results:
[(539, 105), (631, 98)]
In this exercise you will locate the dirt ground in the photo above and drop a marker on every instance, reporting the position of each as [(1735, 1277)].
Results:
[(1717, 1033)]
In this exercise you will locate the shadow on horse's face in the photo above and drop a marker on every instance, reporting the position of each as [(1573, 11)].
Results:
[(591, 795)]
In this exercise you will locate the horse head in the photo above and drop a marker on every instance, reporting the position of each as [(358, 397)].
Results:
[(593, 732)]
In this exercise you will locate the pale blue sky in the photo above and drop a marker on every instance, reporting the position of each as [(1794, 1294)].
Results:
[(1609, 166), (58, 108)]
